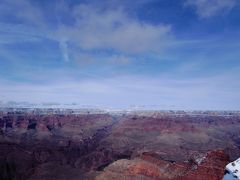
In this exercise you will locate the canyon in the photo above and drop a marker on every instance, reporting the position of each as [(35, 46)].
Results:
[(103, 145)]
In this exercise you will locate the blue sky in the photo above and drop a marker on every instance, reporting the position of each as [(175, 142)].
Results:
[(178, 54)]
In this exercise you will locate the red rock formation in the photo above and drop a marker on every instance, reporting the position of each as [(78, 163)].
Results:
[(149, 167), (211, 168)]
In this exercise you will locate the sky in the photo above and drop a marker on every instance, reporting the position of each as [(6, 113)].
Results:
[(165, 54)]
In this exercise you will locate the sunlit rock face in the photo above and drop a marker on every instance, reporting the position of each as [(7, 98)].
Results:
[(93, 145), (149, 166)]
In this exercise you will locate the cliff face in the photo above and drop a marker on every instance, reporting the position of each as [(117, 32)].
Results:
[(65, 142), (209, 166), (176, 137), (106, 146)]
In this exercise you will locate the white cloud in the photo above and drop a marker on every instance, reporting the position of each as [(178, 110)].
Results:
[(93, 28), (114, 30), (208, 8)]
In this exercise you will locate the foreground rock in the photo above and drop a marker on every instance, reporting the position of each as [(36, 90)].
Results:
[(149, 166)]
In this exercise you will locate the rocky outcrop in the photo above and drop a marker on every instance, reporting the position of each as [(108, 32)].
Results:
[(210, 168), (148, 166)]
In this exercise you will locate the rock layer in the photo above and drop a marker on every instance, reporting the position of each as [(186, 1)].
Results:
[(105, 146)]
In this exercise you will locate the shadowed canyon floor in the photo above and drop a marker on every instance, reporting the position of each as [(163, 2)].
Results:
[(143, 145)]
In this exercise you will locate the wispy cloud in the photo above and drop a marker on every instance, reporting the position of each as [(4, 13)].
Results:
[(11, 33), (64, 48), (101, 29), (209, 8), (23, 11), (93, 28)]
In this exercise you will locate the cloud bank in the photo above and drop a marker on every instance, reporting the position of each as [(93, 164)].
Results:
[(129, 90)]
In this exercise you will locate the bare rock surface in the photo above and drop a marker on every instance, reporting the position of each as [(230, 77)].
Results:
[(150, 167)]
